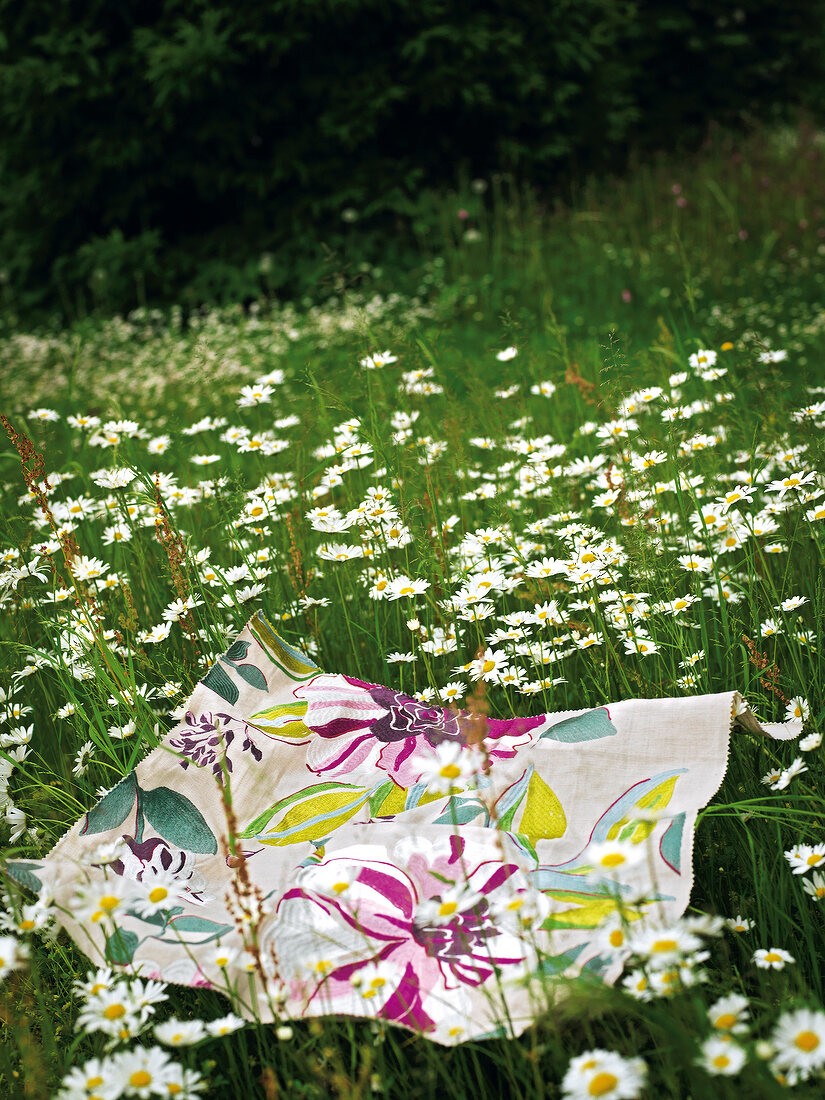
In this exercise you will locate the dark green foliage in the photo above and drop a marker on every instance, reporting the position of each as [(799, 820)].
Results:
[(182, 150)]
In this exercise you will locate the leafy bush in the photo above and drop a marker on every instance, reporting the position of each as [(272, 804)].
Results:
[(141, 143)]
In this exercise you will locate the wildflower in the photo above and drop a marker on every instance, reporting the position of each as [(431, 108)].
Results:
[(804, 857), (811, 741), (101, 901), (378, 359), (702, 358), (31, 918), (603, 1073), (225, 1025), (799, 1040), (333, 878), (638, 986), (13, 955), (97, 1079), (507, 354), (793, 769), (772, 958), (663, 947), (444, 907), (720, 1057), (797, 708), (113, 1012), (772, 778), (145, 1072), (793, 603), (815, 885), (739, 924), (162, 893), (404, 587), (645, 647), (728, 1014), (489, 664), (454, 766), (254, 395), (612, 857), (284, 1033), (180, 1033), (224, 957)]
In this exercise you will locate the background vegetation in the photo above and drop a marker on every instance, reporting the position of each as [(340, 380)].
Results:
[(190, 151)]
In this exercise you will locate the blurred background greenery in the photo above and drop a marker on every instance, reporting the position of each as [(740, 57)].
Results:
[(202, 151)]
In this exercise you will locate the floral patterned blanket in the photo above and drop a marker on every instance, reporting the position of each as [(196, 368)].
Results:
[(311, 844)]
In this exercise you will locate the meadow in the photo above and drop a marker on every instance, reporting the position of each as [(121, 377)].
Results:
[(576, 456)]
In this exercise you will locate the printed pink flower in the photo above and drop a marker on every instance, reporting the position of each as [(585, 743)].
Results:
[(363, 725), (377, 921)]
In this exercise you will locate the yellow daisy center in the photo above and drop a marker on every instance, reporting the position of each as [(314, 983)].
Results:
[(664, 945), (726, 1021), (140, 1079), (602, 1084), (447, 908), (612, 859), (114, 1012), (807, 1041), (450, 771), (721, 1061), (158, 894), (773, 957)]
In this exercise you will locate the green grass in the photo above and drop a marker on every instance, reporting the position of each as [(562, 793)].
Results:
[(735, 264)]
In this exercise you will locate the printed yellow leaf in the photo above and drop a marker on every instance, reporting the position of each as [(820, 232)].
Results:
[(588, 914), (543, 817), (394, 802), (656, 799), (315, 818), (282, 720)]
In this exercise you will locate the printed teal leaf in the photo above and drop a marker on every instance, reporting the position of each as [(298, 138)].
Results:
[(113, 808), (200, 924), (160, 919), (460, 811), (253, 675), (237, 651), (121, 947), (194, 930), (670, 846), (23, 875), (218, 681), (178, 820), (587, 727)]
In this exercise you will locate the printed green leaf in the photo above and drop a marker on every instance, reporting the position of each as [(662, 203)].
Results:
[(23, 875), (113, 808), (237, 651), (379, 794), (178, 820), (121, 947), (252, 675), (218, 681)]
